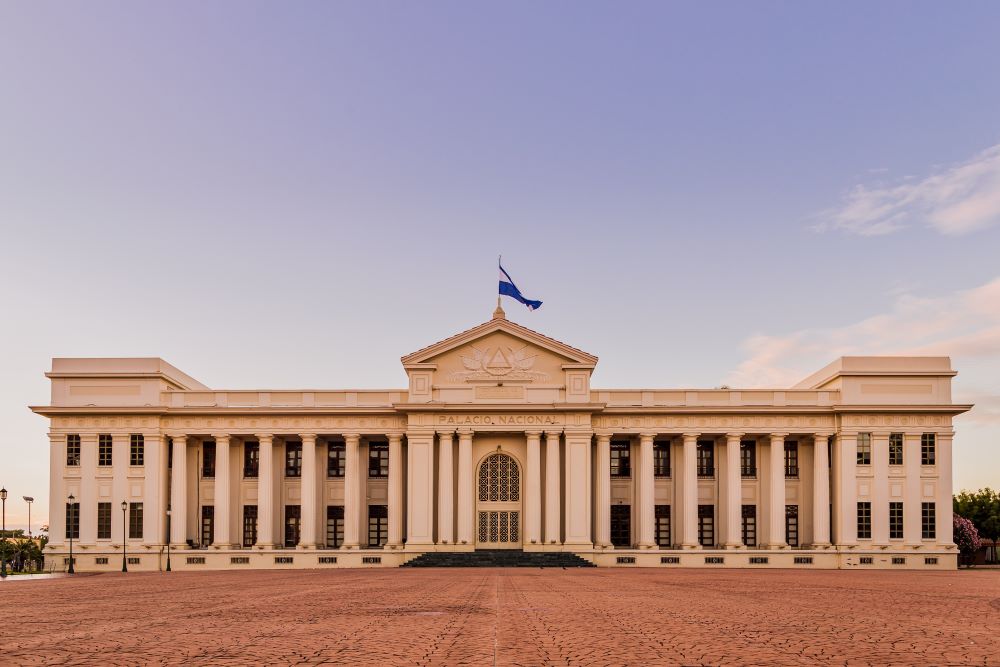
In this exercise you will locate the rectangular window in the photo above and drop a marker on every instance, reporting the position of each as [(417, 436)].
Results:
[(104, 450), (249, 525), (207, 525), (895, 521), (864, 521), (293, 459), (662, 514), (895, 449), (73, 521), (208, 460), (706, 458), (135, 521), (73, 450), (293, 516), (334, 526), (620, 462), (792, 459), (927, 446), (661, 459), (928, 521), (104, 521), (748, 458), (378, 525), (251, 459), (136, 450), (792, 525), (378, 460), (750, 525), (706, 525), (621, 525), (336, 455), (864, 449)]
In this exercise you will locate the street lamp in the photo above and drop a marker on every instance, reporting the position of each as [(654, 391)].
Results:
[(124, 526), (168, 539), (72, 513), (29, 500), (3, 545)]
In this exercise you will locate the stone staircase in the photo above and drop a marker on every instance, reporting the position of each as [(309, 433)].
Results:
[(499, 558)]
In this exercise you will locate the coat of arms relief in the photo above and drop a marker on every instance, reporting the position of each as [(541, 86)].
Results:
[(498, 364)]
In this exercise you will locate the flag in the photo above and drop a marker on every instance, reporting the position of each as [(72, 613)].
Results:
[(508, 288)]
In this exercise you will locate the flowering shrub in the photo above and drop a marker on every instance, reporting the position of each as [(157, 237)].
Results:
[(966, 537)]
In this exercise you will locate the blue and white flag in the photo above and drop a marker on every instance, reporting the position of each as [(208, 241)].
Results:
[(508, 288)]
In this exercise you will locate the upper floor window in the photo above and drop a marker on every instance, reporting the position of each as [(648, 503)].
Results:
[(706, 458), (251, 459), (208, 459), (791, 459), (661, 459), (928, 444), (748, 458), (378, 460), (136, 450), (864, 449), (620, 462), (895, 449), (293, 459), (336, 455), (104, 450), (73, 450)]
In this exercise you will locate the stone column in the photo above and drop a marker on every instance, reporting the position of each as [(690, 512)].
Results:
[(552, 508), (265, 492), (222, 492), (58, 494), (734, 493), (821, 491), (845, 500), (578, 498), (776, 501), (689, 506), (880, 489), (647, 516), (943, 502), (88, 488), (465, 488), (307, 536), (395, 491), (178, 493), (533, 490), (911, 490), (602, 501), (352, 491), (446, 490)]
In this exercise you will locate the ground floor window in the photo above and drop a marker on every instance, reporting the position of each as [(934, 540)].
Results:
[(895, 521), (207, 524), (928, 521), (104, 521), (706, 525), (249, 525), (334, 526), (750, 525), (135, 521), (663, 525), (864, 521), (792, 525), (378, 525), (293, 523), (621, 525), (73, 521)]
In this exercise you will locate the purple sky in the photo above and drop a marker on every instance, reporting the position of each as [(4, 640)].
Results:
[(701, 193)]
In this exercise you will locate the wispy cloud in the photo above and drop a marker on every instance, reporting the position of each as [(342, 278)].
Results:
[(956, 200)]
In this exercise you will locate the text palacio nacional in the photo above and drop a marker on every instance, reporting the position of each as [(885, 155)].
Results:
[(500, 442)]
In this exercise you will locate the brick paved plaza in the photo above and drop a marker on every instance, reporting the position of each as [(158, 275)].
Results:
[(508, 617)]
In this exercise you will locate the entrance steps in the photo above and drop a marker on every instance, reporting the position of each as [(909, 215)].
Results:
[(499, 558)]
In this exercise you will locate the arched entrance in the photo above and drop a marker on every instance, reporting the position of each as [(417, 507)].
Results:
[(498, 503)]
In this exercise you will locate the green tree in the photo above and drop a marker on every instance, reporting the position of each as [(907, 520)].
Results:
[(982, 508)]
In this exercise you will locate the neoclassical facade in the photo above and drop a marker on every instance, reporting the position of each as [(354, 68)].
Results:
[(500, 442)]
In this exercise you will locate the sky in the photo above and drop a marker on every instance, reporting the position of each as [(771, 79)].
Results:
[(288, 195)]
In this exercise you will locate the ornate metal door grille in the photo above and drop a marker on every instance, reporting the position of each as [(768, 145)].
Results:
[(499, 506)]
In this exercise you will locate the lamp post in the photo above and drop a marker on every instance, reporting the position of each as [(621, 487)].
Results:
[(168, 539), (72, 513), (3, 545), (124, 527), (29, 500)]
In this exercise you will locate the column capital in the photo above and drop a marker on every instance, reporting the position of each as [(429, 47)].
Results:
[(821, 436), (308, 437), (691, 436), (352, 438), (778, 436), (553, 432), (221, 437), (533, 434), (264, 437), (394, 437), (604, 438), (647, 435), (176, 437), (446, 435), (735, 436)]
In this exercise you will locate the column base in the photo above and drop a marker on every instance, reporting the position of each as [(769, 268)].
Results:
[(822, 545), (646, 545), (733, 547), (263, 546), (777, 545), (218, 546), (691, 547), (306, 547), (350, 547), (394, 546), (174, 546), (603, 547)]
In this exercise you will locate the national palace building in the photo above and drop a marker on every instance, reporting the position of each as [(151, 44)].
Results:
[(500, 442)]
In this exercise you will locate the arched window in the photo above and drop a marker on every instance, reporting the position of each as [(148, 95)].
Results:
[(499, 479)]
